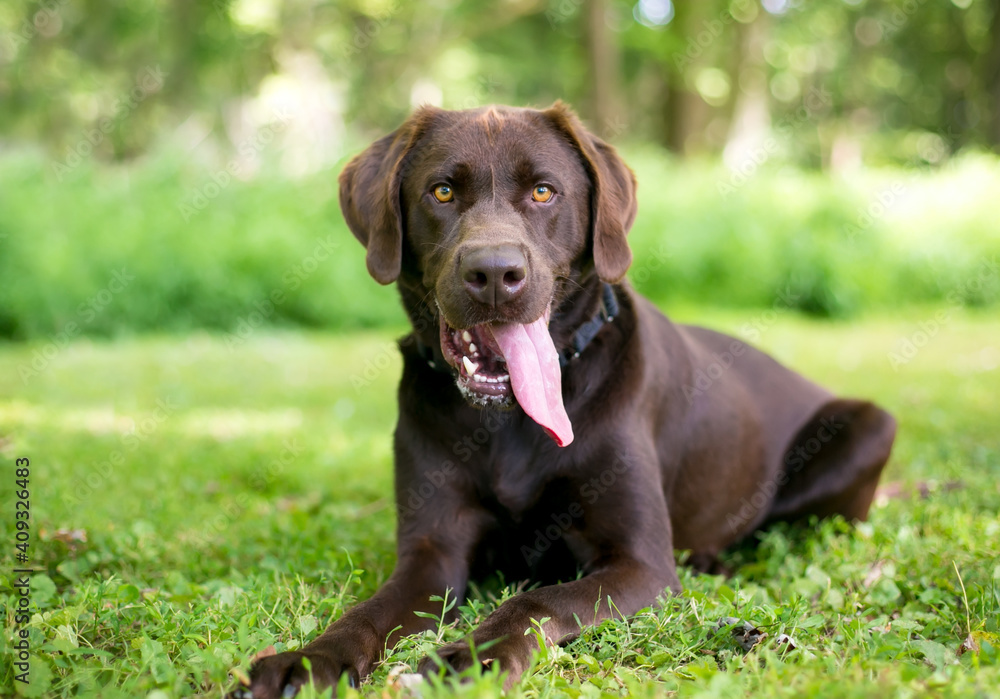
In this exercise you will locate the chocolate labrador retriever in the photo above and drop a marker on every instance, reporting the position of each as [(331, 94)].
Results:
[(553, 424)]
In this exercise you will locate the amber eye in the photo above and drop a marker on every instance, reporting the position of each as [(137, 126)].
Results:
[(443, 193), (542, 193)]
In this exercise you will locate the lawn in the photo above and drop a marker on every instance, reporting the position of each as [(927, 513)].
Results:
[(195, 500)]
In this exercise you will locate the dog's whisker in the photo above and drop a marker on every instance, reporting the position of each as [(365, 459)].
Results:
[(568, 280)]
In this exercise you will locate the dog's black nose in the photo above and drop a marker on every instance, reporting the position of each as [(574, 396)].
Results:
[(494, 274)]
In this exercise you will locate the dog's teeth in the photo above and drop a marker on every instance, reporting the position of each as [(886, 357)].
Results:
[(470, 366), (472, 347), (480, 378), (505, 377), (466, 336)]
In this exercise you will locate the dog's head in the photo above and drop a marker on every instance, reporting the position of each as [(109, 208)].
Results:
[(497, 214)]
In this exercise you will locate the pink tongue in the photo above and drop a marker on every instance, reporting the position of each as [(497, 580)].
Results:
[(533, 364)]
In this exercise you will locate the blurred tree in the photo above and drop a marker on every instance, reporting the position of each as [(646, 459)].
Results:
[(989, 73), (882, 80), (604, 64)]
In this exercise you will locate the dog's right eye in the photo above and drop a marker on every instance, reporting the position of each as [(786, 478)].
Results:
[(443, 193)]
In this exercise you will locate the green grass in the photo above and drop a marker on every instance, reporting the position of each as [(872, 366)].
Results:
[(880, 239), (232, 497)]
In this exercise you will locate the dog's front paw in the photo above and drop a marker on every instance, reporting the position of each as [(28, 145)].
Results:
[(512, 656), (281, 676)]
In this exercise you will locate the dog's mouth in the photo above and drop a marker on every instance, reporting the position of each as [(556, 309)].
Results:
[(500, 363), (482, 369)]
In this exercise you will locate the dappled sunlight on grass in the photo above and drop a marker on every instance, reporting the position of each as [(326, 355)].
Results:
[(97, 421), (201, 501), (219, 424), (233, 424)]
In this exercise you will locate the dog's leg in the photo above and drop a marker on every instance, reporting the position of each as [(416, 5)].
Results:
[(622, 588), (834, 463), (435, 542), (355, 642), (635, 565)]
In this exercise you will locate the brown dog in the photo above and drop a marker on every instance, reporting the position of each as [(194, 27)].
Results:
[(551, 421)]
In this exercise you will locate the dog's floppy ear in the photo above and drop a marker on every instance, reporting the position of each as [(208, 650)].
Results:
[(370, 195), (613, 203)]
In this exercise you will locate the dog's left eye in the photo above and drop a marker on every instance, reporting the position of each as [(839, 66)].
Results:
[(443, 193), (542, 193)]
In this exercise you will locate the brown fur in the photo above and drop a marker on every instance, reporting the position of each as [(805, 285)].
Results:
[(685, 438)]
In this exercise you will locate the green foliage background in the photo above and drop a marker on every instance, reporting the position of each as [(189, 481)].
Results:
[(201, 490), (786, 238), (873, 189)]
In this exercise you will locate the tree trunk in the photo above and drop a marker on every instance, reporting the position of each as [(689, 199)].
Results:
[(685, 112), (992, 79), (605, 72), (751, 116)]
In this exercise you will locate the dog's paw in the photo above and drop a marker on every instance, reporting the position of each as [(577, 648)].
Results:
[(281, 676), (512, 659)]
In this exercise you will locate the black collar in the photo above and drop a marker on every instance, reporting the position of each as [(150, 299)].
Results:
[(581, 338), (588, 331)]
